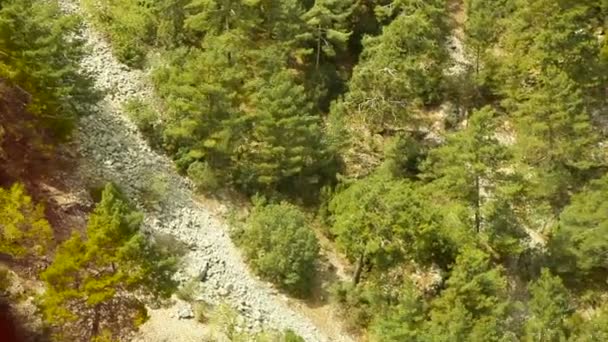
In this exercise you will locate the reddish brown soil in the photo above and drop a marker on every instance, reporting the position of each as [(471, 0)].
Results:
[(8, 326), (29, 154)]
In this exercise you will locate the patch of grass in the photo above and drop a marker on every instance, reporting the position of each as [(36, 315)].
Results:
[(203, 177), (5, 279), (146, 120), (169, 244), (156, 187), (202, 311), (187, 292)]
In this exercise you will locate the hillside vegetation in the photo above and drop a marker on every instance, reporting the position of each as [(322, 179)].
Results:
[(455, 153)]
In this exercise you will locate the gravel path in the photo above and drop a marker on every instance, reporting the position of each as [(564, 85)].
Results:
[(114, 150)]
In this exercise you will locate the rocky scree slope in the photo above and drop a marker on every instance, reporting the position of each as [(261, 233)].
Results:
[(112, 149)]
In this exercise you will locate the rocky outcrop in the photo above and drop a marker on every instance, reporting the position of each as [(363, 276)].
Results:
[(112, 149)]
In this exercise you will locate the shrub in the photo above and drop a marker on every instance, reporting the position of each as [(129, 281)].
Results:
[(129, 25), (201, 311), (281, 247), (24, 230), (188, 291), (155, 189), (5, 280), (203, 176), (290, 336), (356, 304), (145, 118)]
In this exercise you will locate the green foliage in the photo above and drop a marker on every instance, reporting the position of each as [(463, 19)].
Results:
[(474, 306), (403, 321), (485, 21), (24, 230), (401, 68), (556, 137), (594, 329), (203, 176), (284, 145), (202, 110), (327, 26), (169, 22), (276, 144), (245, 87), (145, 118), (357, 303), (470, 168), (91, 278), (187, 291), (224, 321), (549, 308), (290, 336), (281, 246), (580, 241), (542, 35), (201, 311), (5, 279), (404, 156), (39, 53), (155, 189), (382, 222), (129, 26)]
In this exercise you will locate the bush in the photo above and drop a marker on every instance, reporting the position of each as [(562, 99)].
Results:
[(203, 176), (201, 311), (290, 336), (155, 189), (145, 118), (5, 280), (356, 304), (281, 247), (129, 24), (188, 291)]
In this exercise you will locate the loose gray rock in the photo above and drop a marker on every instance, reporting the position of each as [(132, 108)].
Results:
[(112, 149), (185, 312)]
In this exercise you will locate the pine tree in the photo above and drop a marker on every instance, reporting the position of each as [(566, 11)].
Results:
[(169, 19), (202, 91), (403, 321), (468, 164), (328, 27), (98, 282), (580, 242), (39, 53), (281, 246), (594, 329), (400, 69), (285, 142), (474, 306), (24, 230), (555, 137), (483, 27), (545, 36), (378, 222), (549, 308), (218, 16)]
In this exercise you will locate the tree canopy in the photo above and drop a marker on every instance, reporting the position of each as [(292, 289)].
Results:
[(97, 282), (281, 246)]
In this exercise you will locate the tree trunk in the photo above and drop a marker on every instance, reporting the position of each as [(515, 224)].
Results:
[(477, 57), (318, 47), (96, 319), (477, 204), (359, 269)]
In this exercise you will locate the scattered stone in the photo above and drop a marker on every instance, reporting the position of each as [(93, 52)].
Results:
[(113, 149), (203, 271), (185, 312)]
